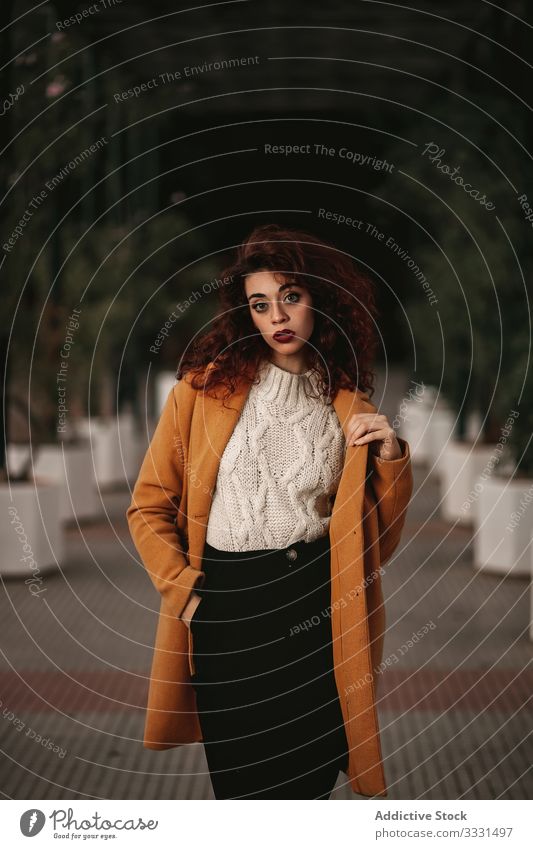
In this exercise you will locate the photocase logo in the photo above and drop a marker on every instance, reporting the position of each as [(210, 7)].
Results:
[(31, 822)]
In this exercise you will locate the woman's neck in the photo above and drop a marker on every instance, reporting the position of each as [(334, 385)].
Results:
[(295, 365)]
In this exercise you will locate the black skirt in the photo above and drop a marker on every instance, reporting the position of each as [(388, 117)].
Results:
[(266, 695)]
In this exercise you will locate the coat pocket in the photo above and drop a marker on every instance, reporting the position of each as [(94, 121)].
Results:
[(190, 651), (190, 638)]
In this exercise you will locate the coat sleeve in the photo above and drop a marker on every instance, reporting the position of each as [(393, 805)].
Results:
[(392, 484), (155, 503)]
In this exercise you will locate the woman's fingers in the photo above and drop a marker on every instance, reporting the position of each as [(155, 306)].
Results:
[(363, 423), (371, 436)]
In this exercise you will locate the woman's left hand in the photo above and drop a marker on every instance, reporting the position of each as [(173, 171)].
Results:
[(375, 429)]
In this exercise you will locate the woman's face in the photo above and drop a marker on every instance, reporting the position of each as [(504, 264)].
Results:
[(278, 303)]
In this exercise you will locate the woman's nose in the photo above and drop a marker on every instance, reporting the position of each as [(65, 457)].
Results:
[(278, 312)]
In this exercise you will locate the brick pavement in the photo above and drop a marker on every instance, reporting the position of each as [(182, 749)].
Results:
[(454, 708)]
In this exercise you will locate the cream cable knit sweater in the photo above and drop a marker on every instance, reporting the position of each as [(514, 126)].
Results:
[(281, 467)]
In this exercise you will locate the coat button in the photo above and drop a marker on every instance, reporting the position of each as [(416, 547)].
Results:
[(292, 554)]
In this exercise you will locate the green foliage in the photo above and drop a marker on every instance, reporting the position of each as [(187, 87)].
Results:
[(98, 241), (467, 343), (129, 280)]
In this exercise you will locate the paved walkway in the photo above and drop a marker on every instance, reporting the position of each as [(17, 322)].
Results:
[(454, 708)]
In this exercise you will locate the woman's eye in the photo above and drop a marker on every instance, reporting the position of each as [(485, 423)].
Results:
[(264, 304)]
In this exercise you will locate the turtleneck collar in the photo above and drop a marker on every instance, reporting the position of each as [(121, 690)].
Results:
[(286, 387), (286, 371)]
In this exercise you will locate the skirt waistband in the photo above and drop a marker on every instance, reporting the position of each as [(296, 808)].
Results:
[(301, 547), (300, 563)]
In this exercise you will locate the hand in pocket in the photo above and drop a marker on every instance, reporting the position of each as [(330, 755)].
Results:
[(190, 608)]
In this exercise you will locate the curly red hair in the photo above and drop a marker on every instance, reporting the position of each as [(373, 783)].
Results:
[(344, 338)]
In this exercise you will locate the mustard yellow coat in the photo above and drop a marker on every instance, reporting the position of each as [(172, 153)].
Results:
[(168, 517)]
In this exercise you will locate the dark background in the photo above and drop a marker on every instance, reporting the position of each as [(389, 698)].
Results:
[(370, 76)]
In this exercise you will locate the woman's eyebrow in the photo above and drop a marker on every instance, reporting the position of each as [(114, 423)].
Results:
[(283, 286)]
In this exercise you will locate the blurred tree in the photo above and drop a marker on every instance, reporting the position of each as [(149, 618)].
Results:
[(132, 281), (47, 136), (473, 257), (92, 237)]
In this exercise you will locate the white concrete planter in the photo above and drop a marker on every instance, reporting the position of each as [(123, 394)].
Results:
[(115, 449), (427, 423), (72, 467), (459, 472), (164, 382), (30, 527), (442, 427), (414, 416), (502, 543)]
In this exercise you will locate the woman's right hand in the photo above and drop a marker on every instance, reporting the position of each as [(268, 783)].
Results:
[(190, 607)]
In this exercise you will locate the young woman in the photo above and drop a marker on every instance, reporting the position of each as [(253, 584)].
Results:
[(270, 496)]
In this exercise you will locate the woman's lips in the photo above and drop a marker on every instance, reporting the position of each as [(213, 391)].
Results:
[(284, 336)]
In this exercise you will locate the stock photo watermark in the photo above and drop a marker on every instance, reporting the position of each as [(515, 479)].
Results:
[(414, 394), (193, 479), (183, 306), (20, 725), (35, 582), (64, 819), (11, 99), (517, 515), (493, 461), (342, 602), (61, 376), (185, 73), (402, 254), (435, 156), (94, 9), (38, 199), (370, 229), (526, 208), (352, 156), (392, 658)]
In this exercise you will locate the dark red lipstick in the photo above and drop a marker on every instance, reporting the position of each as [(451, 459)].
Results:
[(284, 335)]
